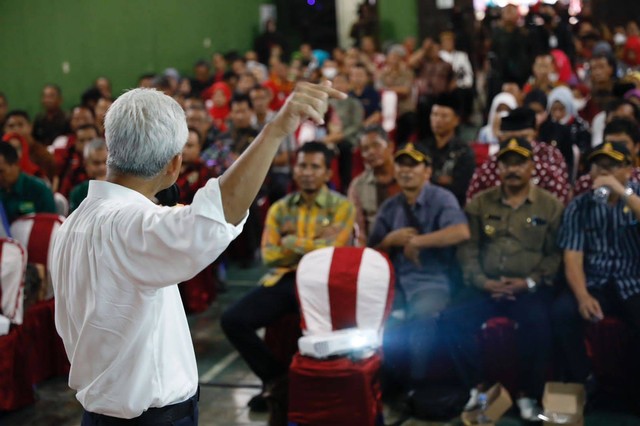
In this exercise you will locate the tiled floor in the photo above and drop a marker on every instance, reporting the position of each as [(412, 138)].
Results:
[(226, 382)]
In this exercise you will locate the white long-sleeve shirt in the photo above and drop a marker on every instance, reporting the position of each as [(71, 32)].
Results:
[(115, 264)]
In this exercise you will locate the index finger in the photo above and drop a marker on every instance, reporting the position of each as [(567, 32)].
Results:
[(333, 93)]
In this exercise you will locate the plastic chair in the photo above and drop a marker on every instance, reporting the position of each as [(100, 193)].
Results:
[(340, 288)]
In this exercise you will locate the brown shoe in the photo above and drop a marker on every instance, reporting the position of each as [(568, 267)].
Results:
[(277, 396)]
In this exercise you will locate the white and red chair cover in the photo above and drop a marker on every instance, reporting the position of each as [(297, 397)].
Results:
[(13, 263), (389, 105), (35, 232), (340, 288), (344, 287)]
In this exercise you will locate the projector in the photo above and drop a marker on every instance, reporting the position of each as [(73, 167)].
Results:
[(341, 342)]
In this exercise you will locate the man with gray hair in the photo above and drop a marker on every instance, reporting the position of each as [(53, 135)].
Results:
[(119, 256)]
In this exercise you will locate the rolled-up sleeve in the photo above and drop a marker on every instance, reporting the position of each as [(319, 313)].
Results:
[(166, 245)]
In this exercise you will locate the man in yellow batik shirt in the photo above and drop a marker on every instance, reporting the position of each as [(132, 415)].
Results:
[(306, 220)]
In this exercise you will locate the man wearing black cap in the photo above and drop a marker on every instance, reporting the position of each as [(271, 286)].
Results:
[(509, 265), (419, 228), (550, 169), (600, 237), (622, 130), (453, 159)]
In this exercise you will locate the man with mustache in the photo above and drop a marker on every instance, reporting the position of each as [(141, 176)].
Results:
[(419, 228), (509, 265)]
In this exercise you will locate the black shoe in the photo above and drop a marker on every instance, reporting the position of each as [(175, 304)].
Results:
[(258, 404), (277, 396)]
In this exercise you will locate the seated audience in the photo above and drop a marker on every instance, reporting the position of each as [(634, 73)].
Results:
[(18, 121), (53, 122), (220, 109), (22, 147), (562, 110), (372, 187), (230, 144), (350, 113), (363, 90), (398, 77), (620, 130), (501, 105), (194, 174), (601, 242), (21, 193), (308, 219), (95, 165), (509, 265), (260, 99), (453, 160), (73, 171), (550, 170), (419, 229)]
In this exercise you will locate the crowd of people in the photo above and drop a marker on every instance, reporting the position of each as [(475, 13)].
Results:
[(503, 223)]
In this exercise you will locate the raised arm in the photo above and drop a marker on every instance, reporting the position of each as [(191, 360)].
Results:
[(239, 185)]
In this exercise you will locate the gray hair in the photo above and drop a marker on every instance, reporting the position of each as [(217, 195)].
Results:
[(92, 146), (144, 130)]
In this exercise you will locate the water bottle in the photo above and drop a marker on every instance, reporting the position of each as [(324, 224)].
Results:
[(601, 194), (483, 401)]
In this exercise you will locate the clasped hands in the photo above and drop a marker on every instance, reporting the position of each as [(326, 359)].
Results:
[(506, 288), (406, 238)]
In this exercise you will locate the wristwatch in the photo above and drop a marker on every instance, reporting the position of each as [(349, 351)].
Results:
[(628, 192), (531, 284)]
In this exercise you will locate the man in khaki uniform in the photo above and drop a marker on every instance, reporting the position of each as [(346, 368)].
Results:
[(509, 265)]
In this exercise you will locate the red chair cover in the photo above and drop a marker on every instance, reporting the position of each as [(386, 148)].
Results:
[(337, 392), (499, 349), (340, 288), (39, 336), (200, 291), (608, 345), (15, 384)]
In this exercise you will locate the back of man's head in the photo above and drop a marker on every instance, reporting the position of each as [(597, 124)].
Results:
[(9, 153), (144, 130), (623, 125)]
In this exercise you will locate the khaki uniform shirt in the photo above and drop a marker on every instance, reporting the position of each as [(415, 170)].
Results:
[(508, 242)]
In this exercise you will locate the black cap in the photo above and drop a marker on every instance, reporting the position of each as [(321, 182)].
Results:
[(415, 152), (448, 100), (520, 146), (616, 150), (537, 96), (519, 119)]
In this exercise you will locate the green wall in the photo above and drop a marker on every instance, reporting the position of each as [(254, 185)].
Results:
[(398, 19), (120, 39)]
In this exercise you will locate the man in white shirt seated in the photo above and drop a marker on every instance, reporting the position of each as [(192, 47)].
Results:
[(118, 257)]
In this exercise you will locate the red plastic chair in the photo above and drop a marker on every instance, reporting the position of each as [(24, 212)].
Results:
[(340, 288)]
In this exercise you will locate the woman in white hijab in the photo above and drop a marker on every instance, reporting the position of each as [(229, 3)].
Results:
[(562, 109), (502, 103)]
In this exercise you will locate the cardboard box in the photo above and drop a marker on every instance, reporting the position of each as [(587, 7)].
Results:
[(499, 401), (563, 404)]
